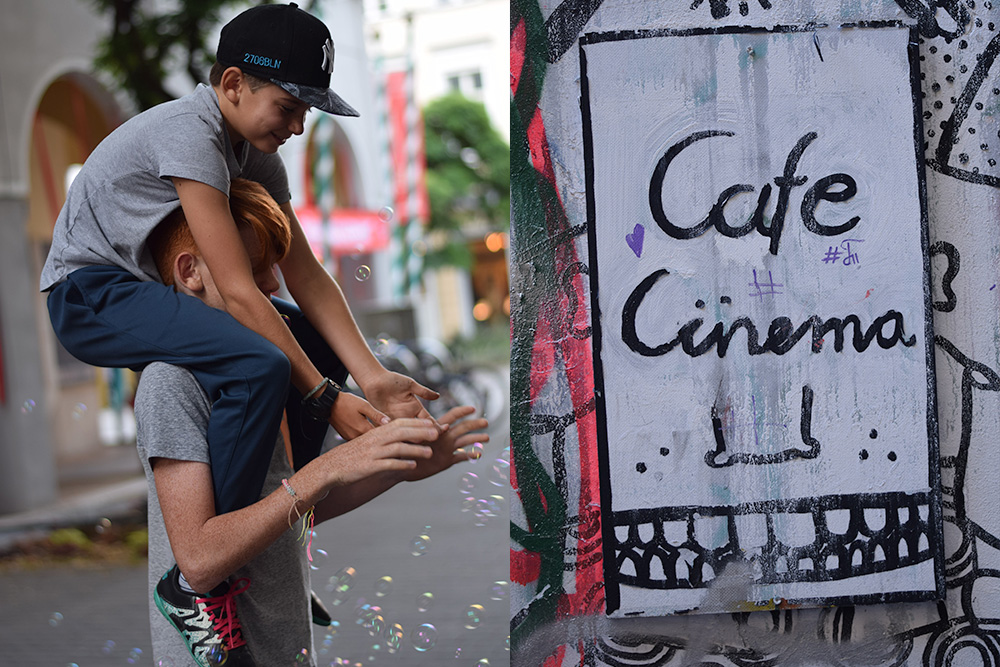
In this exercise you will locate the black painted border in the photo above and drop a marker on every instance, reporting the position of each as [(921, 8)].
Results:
[(611, 582)]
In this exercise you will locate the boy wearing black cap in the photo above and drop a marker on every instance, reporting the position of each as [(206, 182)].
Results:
[(109, 307)]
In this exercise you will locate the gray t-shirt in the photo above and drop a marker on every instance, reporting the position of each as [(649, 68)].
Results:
[(124, 189), (172, 413)]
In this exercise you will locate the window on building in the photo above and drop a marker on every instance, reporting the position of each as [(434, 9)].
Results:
[(468, 83)]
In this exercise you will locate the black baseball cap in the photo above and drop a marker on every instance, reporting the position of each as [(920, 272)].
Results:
[(288, 47)]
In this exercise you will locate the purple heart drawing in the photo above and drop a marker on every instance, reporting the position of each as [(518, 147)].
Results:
[(634, 240)]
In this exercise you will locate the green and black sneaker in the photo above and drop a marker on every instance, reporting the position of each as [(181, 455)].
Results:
[(208, 623)]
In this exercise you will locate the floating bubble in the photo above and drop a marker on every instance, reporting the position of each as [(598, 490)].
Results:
[(78, 410), (419, 248), (108, 648), (498, 504), (302, 656), (420, 544), (424, 637), (500, 472), (483, 662), (381, 347), (458, 654), (319, 559), (217, 656), (72, 664), (394, 637), (134, 656), (468, 482), (475, 452), (28, 406), (499, 590), (473, 616), (363, 273), (341, 584), (374, 624), (55, 619), (386, 213), (469, 504), (424, 602), (383, 586), (165, 662), (103, 525), (506, 643)]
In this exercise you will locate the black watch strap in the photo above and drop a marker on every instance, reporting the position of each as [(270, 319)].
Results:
[(318, 408)]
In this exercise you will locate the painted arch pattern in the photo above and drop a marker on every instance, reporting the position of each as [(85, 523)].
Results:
[(557, 605)]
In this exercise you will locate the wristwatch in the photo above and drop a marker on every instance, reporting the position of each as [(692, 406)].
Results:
[(318, 408)]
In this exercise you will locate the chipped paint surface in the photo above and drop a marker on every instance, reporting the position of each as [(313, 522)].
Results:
[(559, 600)]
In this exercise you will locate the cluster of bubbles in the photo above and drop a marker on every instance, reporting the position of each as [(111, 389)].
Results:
[(28, 406)]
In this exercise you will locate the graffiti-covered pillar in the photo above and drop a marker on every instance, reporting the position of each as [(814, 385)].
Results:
[(756, 332)]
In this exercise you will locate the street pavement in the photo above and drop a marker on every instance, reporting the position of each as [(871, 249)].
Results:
[(446, 536)]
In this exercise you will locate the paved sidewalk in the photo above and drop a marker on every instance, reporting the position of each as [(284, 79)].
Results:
[(105, 613)]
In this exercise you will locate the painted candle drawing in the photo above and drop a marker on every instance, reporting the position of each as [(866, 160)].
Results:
[(763, 355)]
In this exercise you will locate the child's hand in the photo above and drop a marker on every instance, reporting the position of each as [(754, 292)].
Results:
[(398, 395), (447, 447), (352, 416), (383, 449)]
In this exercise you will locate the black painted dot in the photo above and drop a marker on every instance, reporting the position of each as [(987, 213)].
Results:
[(971, 4), (947, 58), (891, 456), (979, 23), (873, 434), (863, 454), (664, 451), (979, 106), (922, 58), (725, 299), (991, 162), (962, 44), (931, 132), (927, 115), (963, 158), (991, 26), (935, 86), (972, 130), (996, 91), (699, 304), (938, 105), (641, 467), (950, 78), (943, 124), (933, 49), (984, 147), (953, 100), (963, 69)]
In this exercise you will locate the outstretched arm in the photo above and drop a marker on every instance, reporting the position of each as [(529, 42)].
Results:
[(323, 303), (209, 547)]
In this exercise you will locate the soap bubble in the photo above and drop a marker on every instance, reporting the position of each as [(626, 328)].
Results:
[(108, 648), (319, 559), (302, 656), (458, 653), (424, 602), (468, 482), (103, 525), (165, 662), (383, 586), (424, 637), (473, 616), (386, 213), (499, 590), (483, 662), (475, 452), (500, 472), (28, 406), (394, 637), (506, 643), (469, 504), (341, 584), (55, 619), (217, 656), (374, 624), (134, 656), (78, 410), (363, 273), (420, 544)]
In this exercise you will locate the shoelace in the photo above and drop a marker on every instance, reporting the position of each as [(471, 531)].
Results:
[(222, 609)]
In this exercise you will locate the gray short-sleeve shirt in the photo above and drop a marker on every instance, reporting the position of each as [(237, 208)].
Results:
[(124, 189), (172, 414)]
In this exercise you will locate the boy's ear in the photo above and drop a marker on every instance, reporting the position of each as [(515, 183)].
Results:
[(186, 272), (232, 84)]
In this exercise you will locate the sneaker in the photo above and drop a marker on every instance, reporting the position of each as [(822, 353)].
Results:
[(208, 624), (320, 615)]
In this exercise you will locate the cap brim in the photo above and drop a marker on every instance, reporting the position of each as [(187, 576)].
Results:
[(320, 98)]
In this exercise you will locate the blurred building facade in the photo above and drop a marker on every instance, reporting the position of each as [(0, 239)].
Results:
[(54, 109), (454, 46)]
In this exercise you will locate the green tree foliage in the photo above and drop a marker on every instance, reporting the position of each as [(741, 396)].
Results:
[(148, 41), (468, 175)]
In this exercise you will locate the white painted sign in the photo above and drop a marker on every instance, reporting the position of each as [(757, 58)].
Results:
[(763, 350)]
